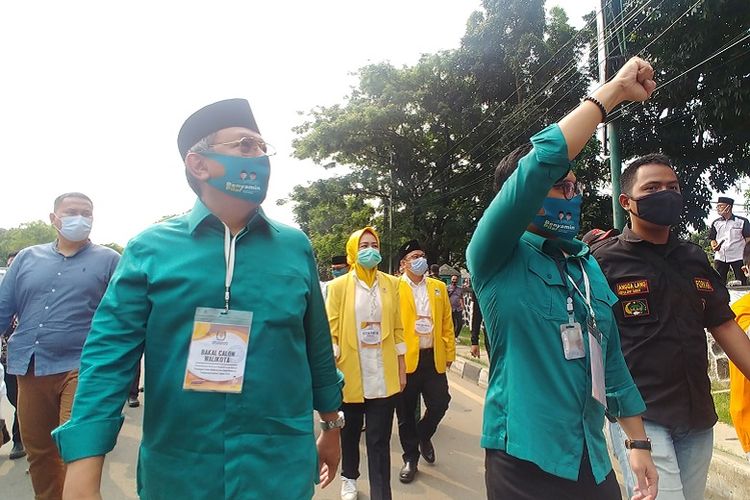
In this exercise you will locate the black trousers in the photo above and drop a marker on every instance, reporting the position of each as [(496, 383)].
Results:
[(433, 387), (458, 322), (510, 478), (379, 414), (135, 386), (11, 383), (723, 269)]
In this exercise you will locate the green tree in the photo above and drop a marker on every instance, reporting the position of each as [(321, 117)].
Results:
[(698, 119), (114, 246), (25, 235), (328, 212), (429, 135)]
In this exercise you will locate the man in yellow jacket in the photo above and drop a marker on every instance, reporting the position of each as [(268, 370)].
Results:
[(430, 350)]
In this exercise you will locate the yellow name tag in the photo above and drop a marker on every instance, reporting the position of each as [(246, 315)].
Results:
[(218, 350)]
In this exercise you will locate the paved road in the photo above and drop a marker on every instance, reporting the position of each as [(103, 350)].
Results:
[(457, 474)]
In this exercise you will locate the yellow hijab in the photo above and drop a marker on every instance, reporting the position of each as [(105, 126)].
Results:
[(352, 248)]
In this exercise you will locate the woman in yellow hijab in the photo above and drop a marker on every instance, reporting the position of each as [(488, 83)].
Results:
[(368, 342)]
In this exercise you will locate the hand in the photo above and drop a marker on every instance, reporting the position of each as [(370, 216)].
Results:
[(647, 480), (634, 81), (329, 455), (714, 245), (83, 479), (402, 372), (475, 351)]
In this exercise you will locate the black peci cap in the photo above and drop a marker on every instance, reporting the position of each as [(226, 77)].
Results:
[(214, 117)]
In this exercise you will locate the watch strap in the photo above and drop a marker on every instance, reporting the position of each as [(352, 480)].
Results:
[(638, 444)]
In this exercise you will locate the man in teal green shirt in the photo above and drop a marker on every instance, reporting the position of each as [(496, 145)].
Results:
[(212, 429), (555, 348)]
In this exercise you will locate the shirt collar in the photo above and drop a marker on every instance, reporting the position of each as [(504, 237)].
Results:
[(574, 248), (406, 278), (629, 236), (201, 214), (84, 247)]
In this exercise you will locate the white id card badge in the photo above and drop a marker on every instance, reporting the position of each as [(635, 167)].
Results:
[(597, 371), (218, 350), (572, 341), (423, 325), (369, 334)]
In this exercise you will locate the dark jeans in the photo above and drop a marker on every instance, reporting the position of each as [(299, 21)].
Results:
[(11, 382), (433, 387), (510, 478), (458, 322), (379, 414), (723, 269)]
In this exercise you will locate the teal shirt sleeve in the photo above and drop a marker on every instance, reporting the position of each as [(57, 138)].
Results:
[(515, 206), (327, 381), (110, 354), (623, 397)]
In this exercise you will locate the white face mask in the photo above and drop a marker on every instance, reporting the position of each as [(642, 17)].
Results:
[(419, 266), (75, 227)]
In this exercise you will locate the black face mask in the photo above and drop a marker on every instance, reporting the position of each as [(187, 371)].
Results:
[(662, 208)]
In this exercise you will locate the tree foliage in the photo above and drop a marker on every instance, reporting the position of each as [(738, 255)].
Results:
[(329, 214), (699, 119), (429, 135), (25, 235)]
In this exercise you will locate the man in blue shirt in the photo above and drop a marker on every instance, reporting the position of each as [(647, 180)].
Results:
[(54, 290)]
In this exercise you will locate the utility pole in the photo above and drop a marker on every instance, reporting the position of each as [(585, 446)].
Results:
[(390, 218), (606, 71)]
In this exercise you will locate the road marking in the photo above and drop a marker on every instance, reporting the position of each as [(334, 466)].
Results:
[(466, 392)]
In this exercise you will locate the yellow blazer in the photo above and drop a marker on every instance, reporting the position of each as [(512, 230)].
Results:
[(343, 322), (443, 341), (739, 386)]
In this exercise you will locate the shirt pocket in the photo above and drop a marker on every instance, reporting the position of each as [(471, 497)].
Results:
[(546, 292)]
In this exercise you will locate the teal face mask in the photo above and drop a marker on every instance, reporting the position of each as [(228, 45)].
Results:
[(369, 257), (561, 218), (244, 178), (339, 272)]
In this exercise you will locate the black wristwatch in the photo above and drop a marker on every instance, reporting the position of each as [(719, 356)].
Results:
[(638, 444)]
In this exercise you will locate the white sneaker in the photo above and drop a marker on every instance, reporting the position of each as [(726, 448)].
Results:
[(348, 488)]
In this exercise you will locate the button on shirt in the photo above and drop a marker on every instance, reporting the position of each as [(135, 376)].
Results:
[(55, 298), (731, 233), (539, 405), (668, 294), (199, 445), (422, 305)]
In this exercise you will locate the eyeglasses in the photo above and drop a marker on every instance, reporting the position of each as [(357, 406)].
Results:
[(569, 188), (249, 146)]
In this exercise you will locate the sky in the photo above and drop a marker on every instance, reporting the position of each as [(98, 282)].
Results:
[(94, 93)]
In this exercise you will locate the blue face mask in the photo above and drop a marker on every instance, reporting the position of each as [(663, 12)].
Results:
[(244, 178), (419, 266), (75, 227), (369, 257), (562, 218), (339, 272)]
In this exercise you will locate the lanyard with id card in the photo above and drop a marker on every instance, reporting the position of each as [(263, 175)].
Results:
[(369, 334), (218, 345), (596, 357)]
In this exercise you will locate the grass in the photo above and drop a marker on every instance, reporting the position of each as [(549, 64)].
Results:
[(721, 401), (464, 339)]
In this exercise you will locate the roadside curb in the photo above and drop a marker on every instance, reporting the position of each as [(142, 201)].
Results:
[(729, 474), (469, 370)]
